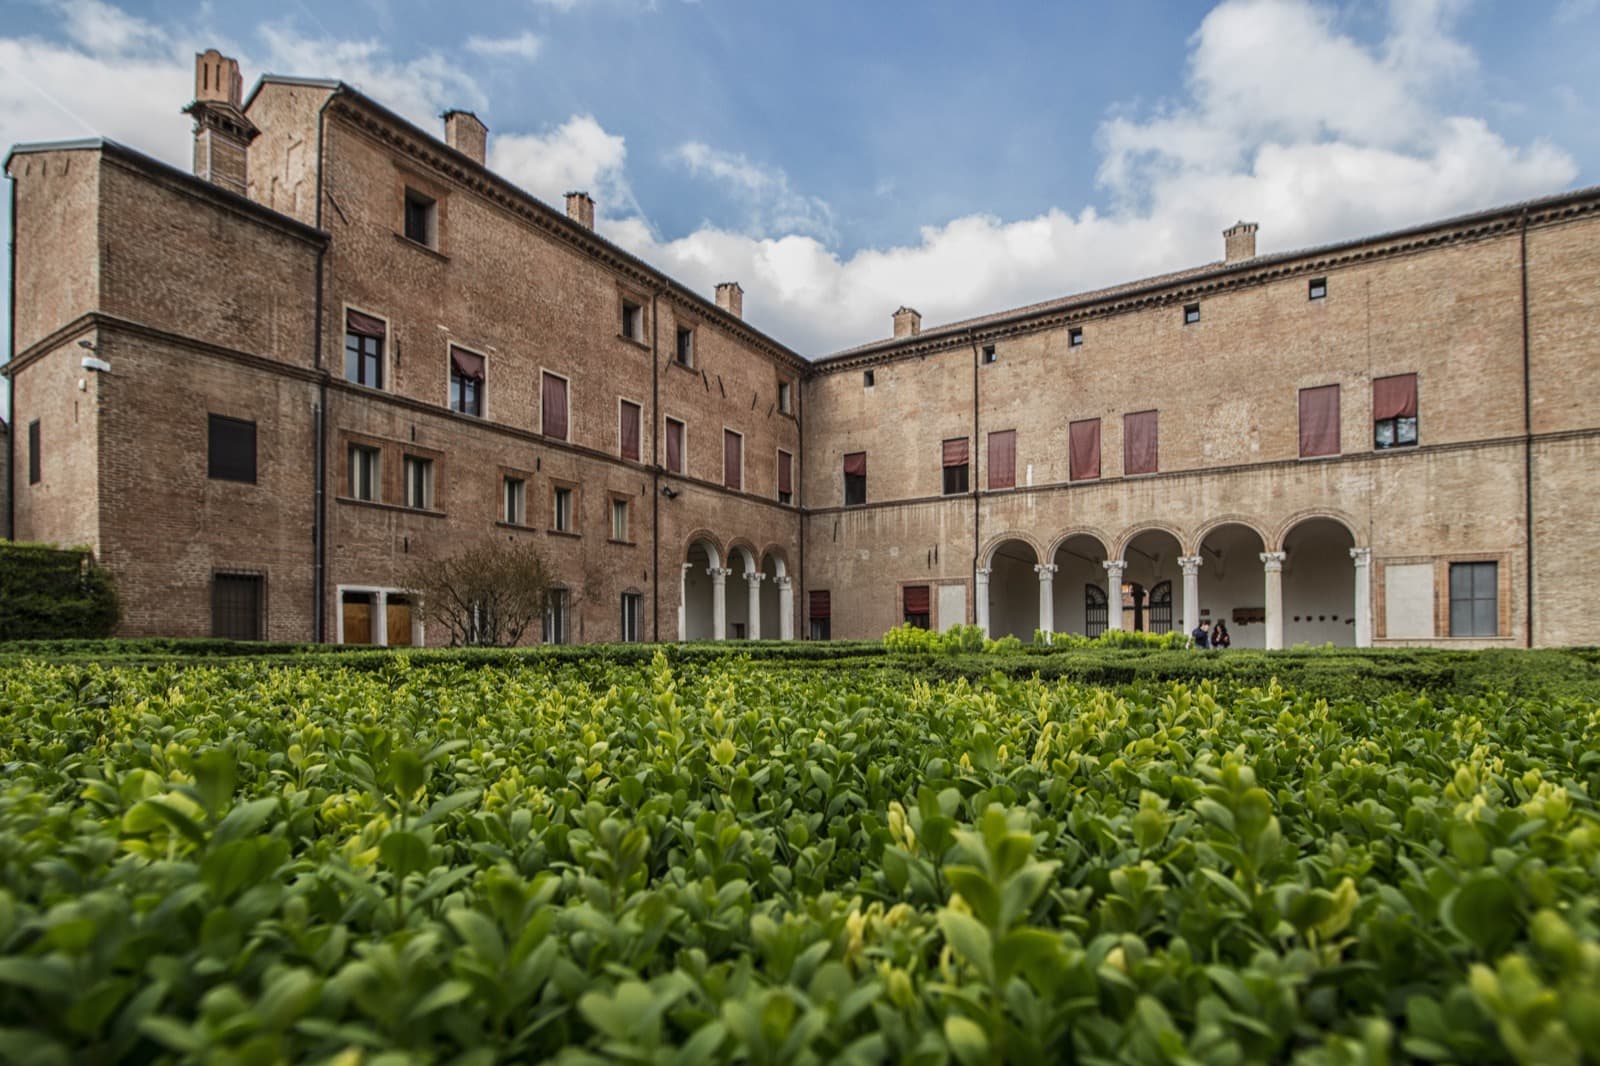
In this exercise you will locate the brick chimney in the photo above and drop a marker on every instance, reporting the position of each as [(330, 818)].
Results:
[(907, 323), (730, 297), (580, 208), (1240, 241), (467, 134), (222, 134)]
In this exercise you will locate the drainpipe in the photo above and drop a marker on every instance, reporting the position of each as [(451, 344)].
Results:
[(798, 581), (977, 515), (319, 519), (1527, 427), (655, 470), (11, 387)]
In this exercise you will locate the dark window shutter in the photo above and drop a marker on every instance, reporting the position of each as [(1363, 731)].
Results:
[(917, 599), (1141, 448), (629, 430), (1003, 459), (1083, 450), (34, 473), (1394, 397), (554, 404), (821, 605), (1319, 421), (231, 449), (236, 606)]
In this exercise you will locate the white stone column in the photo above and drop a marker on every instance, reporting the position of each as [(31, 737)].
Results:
[(719, 601), (752, 610), (1363, 560), (1272, 565), (1114, 570), (683, 602), (1047, 596), (1191, 591), (980, 598), (380, 618), (785, 608)]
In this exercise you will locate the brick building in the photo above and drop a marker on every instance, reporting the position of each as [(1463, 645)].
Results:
[(265, 390)]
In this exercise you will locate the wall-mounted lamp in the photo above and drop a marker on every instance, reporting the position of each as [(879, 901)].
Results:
[(669, 492), (89, 362)]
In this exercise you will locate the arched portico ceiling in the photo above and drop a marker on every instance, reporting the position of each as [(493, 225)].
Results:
[(1101, 540), (742, 549), (707, 543), (780, 564), (1220, 523), (1143, 530), (1016, 540), (1300, 518)]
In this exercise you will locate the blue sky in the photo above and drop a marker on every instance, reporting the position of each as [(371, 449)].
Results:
[(842, 158)]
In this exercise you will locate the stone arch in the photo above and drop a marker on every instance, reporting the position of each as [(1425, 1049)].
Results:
[(780, 559), (775, 612), (739, 546), (1078, 582), (1344, 518), (706, 539), (987, 555), (741, 605), (1093, 532), (1214, 524), (1132, 533), (699, 604), (1318, 602)]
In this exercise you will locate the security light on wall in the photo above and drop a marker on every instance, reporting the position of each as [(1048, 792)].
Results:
[(98, 365)]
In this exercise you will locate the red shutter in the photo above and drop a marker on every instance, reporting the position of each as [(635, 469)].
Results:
[(364, 325), (855, 464), (955, 452), (1083, 450), (1394, 397), (916, 599), (1319, 421), (732, 459), (675, 447), (1141, 447), (630, 430), (821, 605), (466, 364), (785, 472), (554, 412), (1003, 459)]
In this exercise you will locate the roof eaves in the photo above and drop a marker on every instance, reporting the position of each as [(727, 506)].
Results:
[(331, 84), (81, 144)]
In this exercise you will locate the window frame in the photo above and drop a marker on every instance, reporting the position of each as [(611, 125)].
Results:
[(869, 379), (1399, 421), (785, 397), (556, 625), (518, 515), (212, 465), (411, 464), (990, 355), (379, 626), (621, 504), (743, 480), (627, 299), (631, 620), (385, 346), (679, 334), (777, 468), (259, 578), (1473, 567), (920, 621), (414, 197), (683, 450), (965, 468), (373, 482), (570, 426), (35, 452), (622, 403), (564, 520), (1317, 289), (862, 478), (1191, 314), (482, 388), (1074, 336)]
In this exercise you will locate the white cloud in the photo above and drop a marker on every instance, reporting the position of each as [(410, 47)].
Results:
[(523, 46), (578, 155), (770, 202)]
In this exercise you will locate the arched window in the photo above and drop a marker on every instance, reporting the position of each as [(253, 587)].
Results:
[(1160, 614), (1094, 610)]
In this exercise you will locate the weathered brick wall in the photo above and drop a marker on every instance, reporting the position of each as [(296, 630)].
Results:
[(283, 157), (64, 507), (55, 232)]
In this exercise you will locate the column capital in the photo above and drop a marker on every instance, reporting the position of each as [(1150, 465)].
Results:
[(1045, 570), (983, 573), (782, 581), (1115, 566), (1190, 564), (1362, 556), (1272, 562), (718, 573), (754, 577)]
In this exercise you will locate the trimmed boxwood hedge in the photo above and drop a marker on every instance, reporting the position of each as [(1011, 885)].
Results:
[(49, 593)]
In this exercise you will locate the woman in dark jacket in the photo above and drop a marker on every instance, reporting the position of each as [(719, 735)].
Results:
[(1219, 635)]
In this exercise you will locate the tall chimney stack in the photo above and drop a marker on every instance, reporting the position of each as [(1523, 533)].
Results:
[(907, 323), (467, 134), (730, 297), (222, 134), (580, 208), (1240, 242)]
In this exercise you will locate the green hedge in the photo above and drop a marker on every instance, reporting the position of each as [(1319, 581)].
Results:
[(48, 594)]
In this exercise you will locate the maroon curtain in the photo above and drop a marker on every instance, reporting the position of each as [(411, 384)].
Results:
[(1140, 443), (1083, 450), (1003, 459), (916, 599), (821, 605), (554, 408), (466, 364), (1394, 397), (855, 464), (365, 325), (630, 430), (955, 452), (675, 447), (732, 447), (785, 473), (1319, 421)]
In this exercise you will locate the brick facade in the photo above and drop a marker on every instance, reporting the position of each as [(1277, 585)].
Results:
[(207, 303)]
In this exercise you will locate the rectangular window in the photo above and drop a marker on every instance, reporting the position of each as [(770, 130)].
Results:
[(561, 510), (34, 466), (1319, 421), (364, 338), (1394, 411), (1141, 446), (820, 615), (633, 321), (419, 482), (231, 449), (422, 218), (785, 477), (619, 519), (1474, 599), (685, 350), (516, 505), (916, 603), (1317, 289), (785, 397), (553, 406), (365, 483), (632, 616), (630, 420), (855, 479), (732, 459), (355, 613), (1083, 450), (989, 355), (466, 382), (1075, 337), (236, 606), (555, 618), (1003, 459), (1191, 314), (869, 378), (675, 442), (956, 459)]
